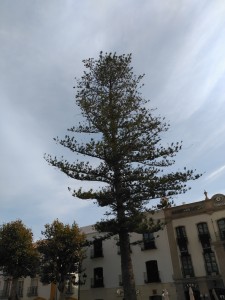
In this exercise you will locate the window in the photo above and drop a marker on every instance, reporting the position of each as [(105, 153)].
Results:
[(33, 289), (203, 228), (210, 263), (204, 236), (182, 239), (20, 288), (148, 241), (183, 248), (98, 278), (6, 288), (181, 232), (97, 250), (152, 271), (187, 266), (221, 226)]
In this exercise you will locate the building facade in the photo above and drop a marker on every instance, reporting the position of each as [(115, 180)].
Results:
[(152, 266), (32, 289), (188, 252), (196, 234)]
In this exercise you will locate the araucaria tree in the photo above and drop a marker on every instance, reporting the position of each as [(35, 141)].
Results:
[(61, 254), (125, 138), (18, 254)]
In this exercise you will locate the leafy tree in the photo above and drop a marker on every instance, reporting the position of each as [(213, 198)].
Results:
[(18, 254), (61, 253), (124, 136)]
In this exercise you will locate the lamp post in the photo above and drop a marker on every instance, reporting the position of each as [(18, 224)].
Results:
[(81, 280)]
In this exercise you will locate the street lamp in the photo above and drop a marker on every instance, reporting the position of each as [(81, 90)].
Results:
[(81, 280)]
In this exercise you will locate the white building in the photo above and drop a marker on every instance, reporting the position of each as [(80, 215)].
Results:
[(28, 288), (152, 266), (188, 252), (196, 234)]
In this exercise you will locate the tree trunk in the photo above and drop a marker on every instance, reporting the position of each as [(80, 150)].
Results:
[(62, 289), (13, 291), (126, 266), (62, 295)]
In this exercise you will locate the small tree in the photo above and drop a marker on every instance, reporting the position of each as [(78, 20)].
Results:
[(61, 253), (125, 138), (18, 254)]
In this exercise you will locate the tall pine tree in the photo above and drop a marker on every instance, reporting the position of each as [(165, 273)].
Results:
[(125, 138)]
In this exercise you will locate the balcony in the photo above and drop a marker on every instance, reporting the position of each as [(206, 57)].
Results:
[(204, 237), (182, 240), (71, 290), (20, 293), (97, 282), (4, 294), (148, 245), (188, 273), (152, 277), (213, 274), (32, 291), (96, 253)]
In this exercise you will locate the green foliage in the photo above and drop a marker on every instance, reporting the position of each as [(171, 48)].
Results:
[(61, 251), (18, 253), (126, 140)]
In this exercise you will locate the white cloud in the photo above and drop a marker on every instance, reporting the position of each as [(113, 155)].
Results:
[(180, 47), (215, 174)]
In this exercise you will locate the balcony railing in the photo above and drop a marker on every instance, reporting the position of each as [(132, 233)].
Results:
[(4, 294), (147, 245), (32, 291), (204, 237), (213, 274), (188, 273), (97, 283), (152, 278), (20, 292), (96, 253), (71, 291)]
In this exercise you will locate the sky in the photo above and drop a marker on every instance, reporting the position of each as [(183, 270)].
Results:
[(178, 45)]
